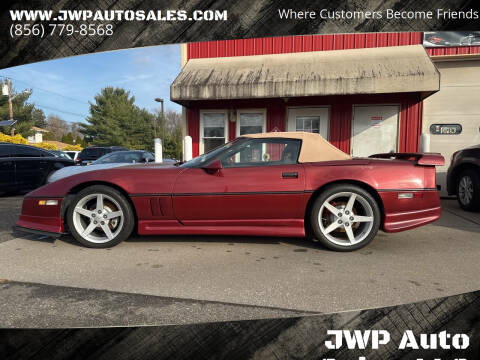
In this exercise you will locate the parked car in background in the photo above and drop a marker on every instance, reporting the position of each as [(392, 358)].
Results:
[(435, 39), (463, 177), (92, 153), (73, 154), (471, 39), (110, 160), (169, 161), (291, 184), (61, 154), (24, 167)]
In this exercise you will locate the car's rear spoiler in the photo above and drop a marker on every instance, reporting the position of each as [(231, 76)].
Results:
[(429, 159)]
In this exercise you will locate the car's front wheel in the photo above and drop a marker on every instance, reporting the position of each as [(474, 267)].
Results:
[(468, 190), (100, 217), (345, 217)]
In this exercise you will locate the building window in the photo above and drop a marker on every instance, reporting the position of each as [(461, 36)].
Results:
[(308, 124), (251, 121), (213, 129)]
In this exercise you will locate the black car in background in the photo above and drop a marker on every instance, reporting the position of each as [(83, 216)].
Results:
[(92, 153), (24, 167), (463, 177)]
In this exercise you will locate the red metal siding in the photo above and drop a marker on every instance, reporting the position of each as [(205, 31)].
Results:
[(360, 40), (392, 39), (248, 47), (298, 43), (338, 41), (277, 45), (231, 130), (348, 41), (327, 42), (410, 124), (267, 46), (382, 39), (276, 118), (288, 44), (456, 50), (239, 47), (257, 44), (317, 43), (230, 48), (212, 49), (370, 40), (340, 125), (194, 129), (307, 43), (221, 51)]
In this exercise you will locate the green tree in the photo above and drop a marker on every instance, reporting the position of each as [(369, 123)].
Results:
[(38, 118), (49, 136), (67, 138), (78, 140), (84, 142), (115, 120), (171, 123)]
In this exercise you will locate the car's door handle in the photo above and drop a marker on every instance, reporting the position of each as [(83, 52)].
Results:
[(290, 175)]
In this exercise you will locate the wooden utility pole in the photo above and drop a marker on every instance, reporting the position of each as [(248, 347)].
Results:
[(10, 107)]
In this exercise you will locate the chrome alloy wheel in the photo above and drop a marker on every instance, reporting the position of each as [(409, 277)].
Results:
[(98, 218), (346, 218), (465, 190)]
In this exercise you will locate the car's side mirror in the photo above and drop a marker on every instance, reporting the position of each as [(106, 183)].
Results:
[(214, 167)]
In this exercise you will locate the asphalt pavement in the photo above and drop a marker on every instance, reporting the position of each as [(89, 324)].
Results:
[(206, 278)]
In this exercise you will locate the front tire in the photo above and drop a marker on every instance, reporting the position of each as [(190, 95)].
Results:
[(345, 217), (100, 217), (468, 190)]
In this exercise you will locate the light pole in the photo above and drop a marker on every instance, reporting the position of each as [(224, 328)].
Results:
[(160, 100)]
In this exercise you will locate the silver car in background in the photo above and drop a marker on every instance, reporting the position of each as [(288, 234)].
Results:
[(110, 160)]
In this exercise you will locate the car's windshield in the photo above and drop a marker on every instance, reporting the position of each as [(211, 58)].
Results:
[(206, 158)]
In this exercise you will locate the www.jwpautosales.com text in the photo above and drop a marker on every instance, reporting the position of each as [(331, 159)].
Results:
[(118, 15)]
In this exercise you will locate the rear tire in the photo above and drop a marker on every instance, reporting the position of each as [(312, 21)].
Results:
[(100, 217), (345, 217), (468, 190)]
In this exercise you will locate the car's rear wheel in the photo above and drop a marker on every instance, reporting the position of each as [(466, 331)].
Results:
[(468, 190), (345, 217), (100, 217)]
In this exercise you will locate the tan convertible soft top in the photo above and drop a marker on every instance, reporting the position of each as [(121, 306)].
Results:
[(314, 146)]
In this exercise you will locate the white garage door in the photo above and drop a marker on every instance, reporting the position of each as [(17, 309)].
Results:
[(374, 129), (457, 102)]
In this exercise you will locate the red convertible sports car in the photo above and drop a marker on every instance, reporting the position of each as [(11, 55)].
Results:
[(289, 184)]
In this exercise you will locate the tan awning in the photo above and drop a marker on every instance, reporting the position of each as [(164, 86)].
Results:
[(395, 69)]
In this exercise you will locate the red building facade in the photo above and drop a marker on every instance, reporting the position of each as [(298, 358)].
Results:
[(340, 107)]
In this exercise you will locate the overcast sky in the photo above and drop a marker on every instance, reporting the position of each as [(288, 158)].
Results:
[(65, 86)]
